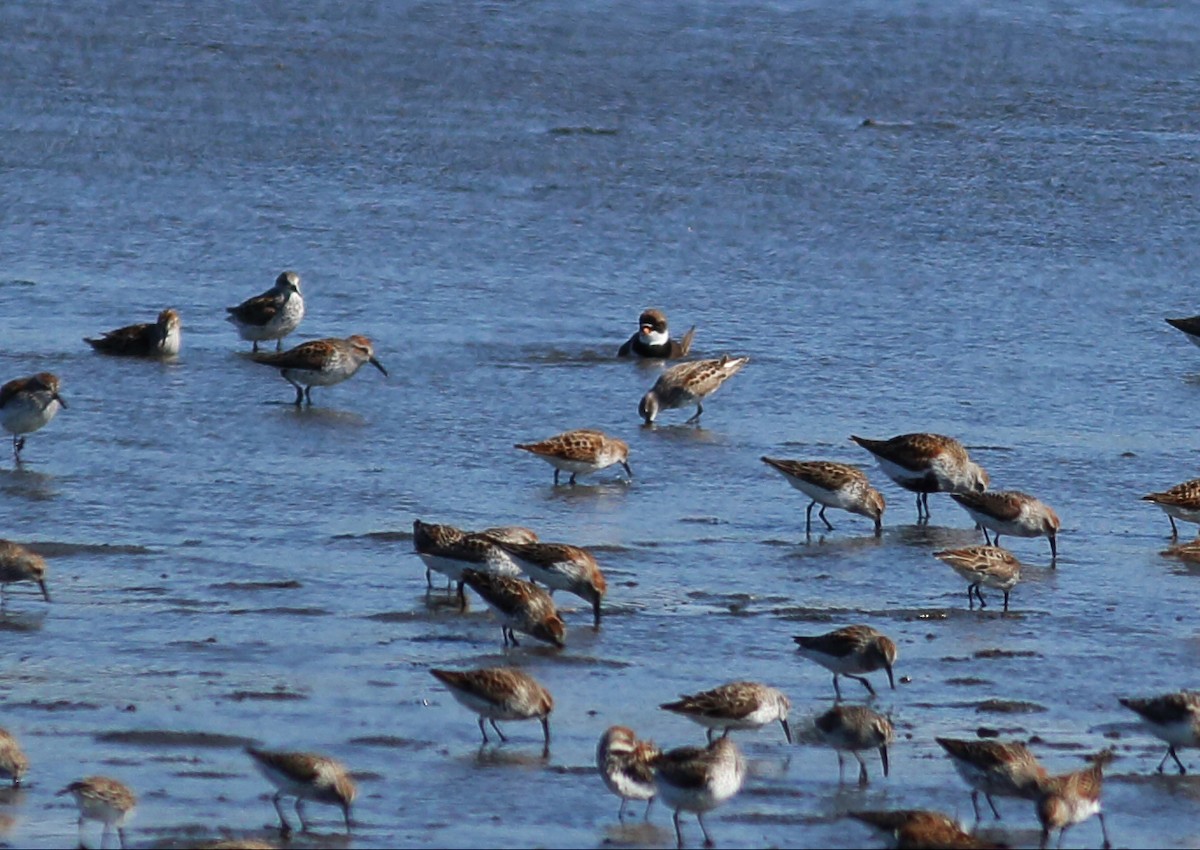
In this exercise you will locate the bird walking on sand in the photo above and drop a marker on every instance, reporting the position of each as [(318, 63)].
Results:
[(104, 799), (736, 705), (995, 769), (696, 779), (926, 463), (1180, 502), (626, 765), (500, 693), (1011, 512), (831, 485), (582, 451), (851, 651), (1172, 718), (1071, 798)]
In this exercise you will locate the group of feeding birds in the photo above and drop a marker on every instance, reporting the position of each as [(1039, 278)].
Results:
[(694, 779)]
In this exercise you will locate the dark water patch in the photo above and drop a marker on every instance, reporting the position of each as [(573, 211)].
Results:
[(206, 774), (55, 705), (608, 548), (148, 590), (10, 622), (393, 742), (447, 638), (572, 770), (59, 549), (286, 584), (277, 695), (583, 130), (775, 818), (967, 681), (171, 738), (702, 520), (380, 536), (283, 611), (1006, 653), (1009, 706)]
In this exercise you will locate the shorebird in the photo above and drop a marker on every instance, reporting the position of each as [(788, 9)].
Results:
[(1071, 798), (1173, 718), (1180, 502), (995, 769), (322, 363), (851, 652), (580, 452), (272, 315), (831, 485), (451, 550), (18, 563), (103, 799), (991, 566), (500, 693), (561, 566), (919, 829), (1189, 326), (654, 340), (626, 765), (305, 776), (852, 729), (27, 404), (154, 339), (689, 383), (1011, 512), (737, 705), (522, 606), (927, 463), (696, 779), (13, 762)]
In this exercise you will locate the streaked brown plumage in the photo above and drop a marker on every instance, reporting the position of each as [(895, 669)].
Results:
[(1174, 718), (995, 769), (14, 764), (1071, 798), (851, 652), (626, 765), (305, 776), (152, 339), (104, 799), (1179, 502), (27, 404), (17, 563), (522, 605), (272, 315), (697, 779), (689, 383), (852, 729), (1011, 512), (991, 566), (500, 693), (918, 829), (736, 705), (561, 566), (582, 451), (832, 485), (322, 363), (927, 463)]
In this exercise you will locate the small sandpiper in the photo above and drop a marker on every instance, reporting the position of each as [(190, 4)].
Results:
[(1071, 798), (322, 363), (451, 550), (913, 828), (831, 485), (500, 693), (272, 315), (18, 563), (580, 452), (991, 566), (995, 769), (103, 799), (736, 705), (522, 606), (13, 762), (305, 776), (561, 566), (1173, 718), (1181, 502), (852, 729), (653, 340), (927, 463), (626, 765), (697, 779), (1011, 512), (688, 383), (152, 339), (27, 404), (851, 652)]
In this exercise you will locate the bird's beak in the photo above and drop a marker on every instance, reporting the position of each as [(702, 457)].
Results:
[(891, 678), (787, 730), (883, 757), (63, 402), (378, 366), (45, 593)]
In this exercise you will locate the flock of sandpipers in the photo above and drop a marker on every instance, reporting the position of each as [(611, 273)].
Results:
[(515, 573)]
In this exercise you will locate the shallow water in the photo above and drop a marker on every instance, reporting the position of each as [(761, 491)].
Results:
[(492, 192)]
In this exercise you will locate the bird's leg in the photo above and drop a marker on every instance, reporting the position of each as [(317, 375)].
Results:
[(556, 471), (975, 803), (285, 828), (572, 479), (482, 730), (863, 680), (308, 394), (708, 842), (808, 518), (863, 779), (1006, 600), (992, 803), (1174, 528), (300, 814), (836, 690), (503, 737), (821, 514), (696, 416)]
